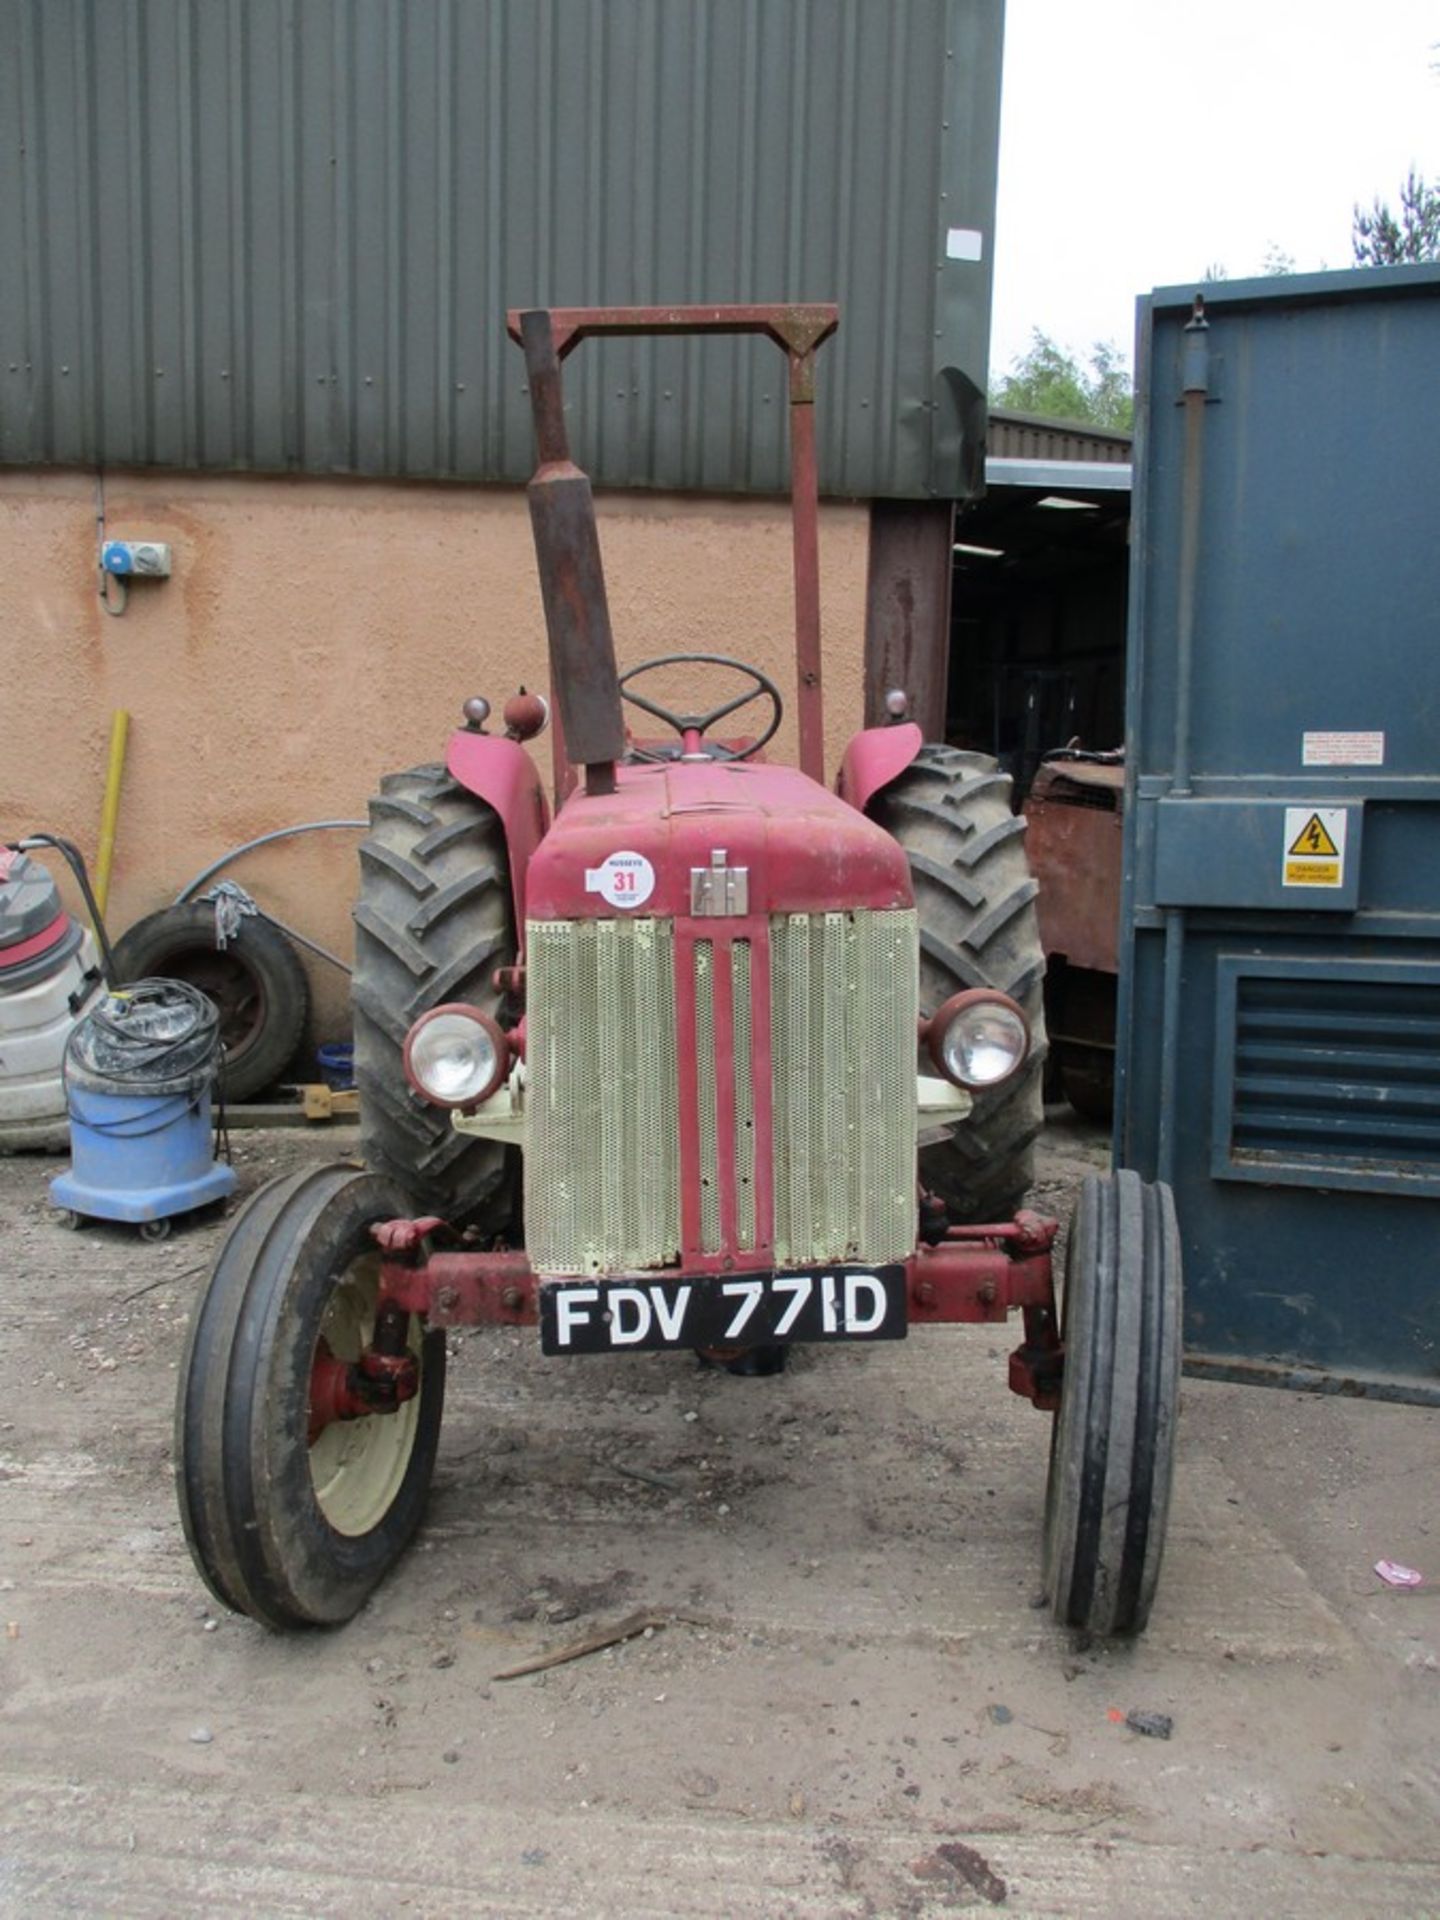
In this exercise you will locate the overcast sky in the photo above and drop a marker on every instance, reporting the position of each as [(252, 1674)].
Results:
[(1144, 140)]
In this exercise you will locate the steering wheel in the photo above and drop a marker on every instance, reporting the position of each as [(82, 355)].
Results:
[(693, 726)]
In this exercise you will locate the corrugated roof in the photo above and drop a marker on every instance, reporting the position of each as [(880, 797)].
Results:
[(282, 234), (1031, 436)]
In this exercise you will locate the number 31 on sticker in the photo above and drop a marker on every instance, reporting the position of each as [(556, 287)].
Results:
[(622, 879)]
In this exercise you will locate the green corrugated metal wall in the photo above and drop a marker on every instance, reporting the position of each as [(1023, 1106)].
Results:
[(280, 234)]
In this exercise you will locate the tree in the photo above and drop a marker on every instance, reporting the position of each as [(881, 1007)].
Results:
[(1381, 239), (1047, 380), (1274, 263)]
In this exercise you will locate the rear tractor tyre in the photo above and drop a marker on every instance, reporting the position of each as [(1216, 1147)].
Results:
[(950, 811), (1112, 1445), (292, 1527), (433, 921)]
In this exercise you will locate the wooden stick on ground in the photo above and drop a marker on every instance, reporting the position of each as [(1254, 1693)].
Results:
[(626, 1629)]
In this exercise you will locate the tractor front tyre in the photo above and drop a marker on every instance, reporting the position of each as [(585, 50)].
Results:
[(950, 811), (434, 920), (1112, 1445), (289, 1524)]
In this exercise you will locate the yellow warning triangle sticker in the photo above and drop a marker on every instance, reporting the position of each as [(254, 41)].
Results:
[(1313, 840)]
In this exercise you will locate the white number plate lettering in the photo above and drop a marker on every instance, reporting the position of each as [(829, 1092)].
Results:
[(750, 1310)]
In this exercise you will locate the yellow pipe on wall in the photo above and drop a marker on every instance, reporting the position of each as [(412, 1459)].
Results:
[(109, 813)]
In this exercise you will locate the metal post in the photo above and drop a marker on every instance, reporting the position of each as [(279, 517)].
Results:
[(1195, 386), (805, 522), (1195, 383)]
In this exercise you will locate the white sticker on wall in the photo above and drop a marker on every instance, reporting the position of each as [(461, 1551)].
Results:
[(1342, 749), (623, 879), (1314, 847), (964, 243)]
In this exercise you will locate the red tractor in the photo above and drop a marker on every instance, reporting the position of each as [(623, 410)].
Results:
[(771, 1057)]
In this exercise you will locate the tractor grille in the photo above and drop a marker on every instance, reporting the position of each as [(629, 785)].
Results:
[(844, 1007), (602, 1162), (602, 1168)]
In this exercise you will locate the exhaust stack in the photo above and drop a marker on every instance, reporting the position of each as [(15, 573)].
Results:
[(562, 512), (583, 674)]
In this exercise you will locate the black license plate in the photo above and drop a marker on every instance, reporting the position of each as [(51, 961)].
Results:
[(746, 1310)]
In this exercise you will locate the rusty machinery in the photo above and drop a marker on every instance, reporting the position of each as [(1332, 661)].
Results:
[(1075, 810)]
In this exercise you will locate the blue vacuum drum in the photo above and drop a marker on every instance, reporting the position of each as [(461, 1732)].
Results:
[(139, 1073)]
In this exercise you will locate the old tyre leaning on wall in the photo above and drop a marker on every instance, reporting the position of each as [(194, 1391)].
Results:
[(1112, 1445), (950, 811), (256, 981), (434, 919), (288, 1523)]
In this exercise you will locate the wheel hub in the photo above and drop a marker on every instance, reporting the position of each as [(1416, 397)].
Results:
[(366, 1377)]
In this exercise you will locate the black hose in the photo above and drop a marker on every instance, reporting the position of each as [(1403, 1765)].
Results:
[(118, 1044)]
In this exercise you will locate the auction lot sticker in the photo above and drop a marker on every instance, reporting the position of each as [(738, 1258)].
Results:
[(1314, 847), (622, 879)]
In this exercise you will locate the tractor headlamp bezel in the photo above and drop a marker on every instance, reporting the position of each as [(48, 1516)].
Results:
[(978, 1017), (444, 1025)]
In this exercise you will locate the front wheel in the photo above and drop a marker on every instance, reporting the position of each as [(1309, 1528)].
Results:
[(1112, 1447), (292, 1518)]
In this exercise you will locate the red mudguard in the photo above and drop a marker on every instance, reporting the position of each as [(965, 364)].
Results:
[(503, 775), (874, 758)]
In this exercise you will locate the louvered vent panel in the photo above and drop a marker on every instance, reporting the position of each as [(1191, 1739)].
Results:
[(1337, 1073)]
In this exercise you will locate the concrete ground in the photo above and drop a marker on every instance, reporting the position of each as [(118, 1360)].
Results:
[(853, 1706)]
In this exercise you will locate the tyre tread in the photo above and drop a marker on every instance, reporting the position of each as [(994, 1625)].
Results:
[(433, 922), (236, 1498), (950, 810), (1112, 1451)]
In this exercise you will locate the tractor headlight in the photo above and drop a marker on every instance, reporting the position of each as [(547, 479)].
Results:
[(979, 1038), (455, 1056)]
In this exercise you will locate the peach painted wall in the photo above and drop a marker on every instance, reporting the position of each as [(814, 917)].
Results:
[(316, 634)]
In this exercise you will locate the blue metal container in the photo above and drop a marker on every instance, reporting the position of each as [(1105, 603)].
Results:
[(1279, 1033), (138, 1076), (336, 1060)]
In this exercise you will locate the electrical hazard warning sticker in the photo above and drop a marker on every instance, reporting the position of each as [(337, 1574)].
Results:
[(1314, 847)]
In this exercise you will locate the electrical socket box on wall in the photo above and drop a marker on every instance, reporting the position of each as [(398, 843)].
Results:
[(131, 559)]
